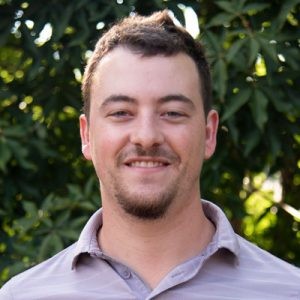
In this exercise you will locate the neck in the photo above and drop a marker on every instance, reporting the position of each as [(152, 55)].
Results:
[(153, 248)]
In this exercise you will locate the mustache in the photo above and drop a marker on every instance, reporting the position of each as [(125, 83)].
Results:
[(153, 152)]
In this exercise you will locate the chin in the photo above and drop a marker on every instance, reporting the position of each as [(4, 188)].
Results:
[(145, 206)]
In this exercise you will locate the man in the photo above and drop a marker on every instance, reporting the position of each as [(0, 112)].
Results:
[(147, 127)]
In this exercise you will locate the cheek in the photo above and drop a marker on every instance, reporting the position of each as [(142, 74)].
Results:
[(191, 138), (106, 143), (194, 147), (188, 145)]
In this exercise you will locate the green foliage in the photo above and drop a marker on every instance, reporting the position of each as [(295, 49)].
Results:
[(254, 53), (48, 191)]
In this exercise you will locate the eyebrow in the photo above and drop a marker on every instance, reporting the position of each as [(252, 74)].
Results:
[(177, 97), (117, 98), (165, 99)]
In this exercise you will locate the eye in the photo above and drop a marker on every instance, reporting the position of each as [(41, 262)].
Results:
[(173, 114), (120, 115)]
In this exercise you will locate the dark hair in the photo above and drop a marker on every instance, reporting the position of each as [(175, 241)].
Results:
[(153, 35)]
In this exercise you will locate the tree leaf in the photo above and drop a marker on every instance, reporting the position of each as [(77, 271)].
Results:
[(213, 41), (257, 7), (52, 243), (24, 224), (62, 218), (57, 242), (280, 104), (69, 234), (240, 4), (268, 48), (220, 76), (235, 103), (285, 9), (61, 21), (5, 155), (227, 6), (258, 107), (82, 35), (14, 131), (30, 208), (253, 50), (235, 47), (233, 129), (221, 19), (252, 139), (275, 145)]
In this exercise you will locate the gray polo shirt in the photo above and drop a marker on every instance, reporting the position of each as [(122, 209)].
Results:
[(229, 268)]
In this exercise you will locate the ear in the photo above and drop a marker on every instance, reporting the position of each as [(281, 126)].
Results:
[(85, 137), (212, 122)]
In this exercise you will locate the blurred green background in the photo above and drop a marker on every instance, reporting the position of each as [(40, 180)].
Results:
[(47, 190)]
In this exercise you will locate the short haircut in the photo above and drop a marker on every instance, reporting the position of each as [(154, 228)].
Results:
[(149, 36)]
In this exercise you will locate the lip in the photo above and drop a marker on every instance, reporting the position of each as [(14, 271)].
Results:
[(146, 162)]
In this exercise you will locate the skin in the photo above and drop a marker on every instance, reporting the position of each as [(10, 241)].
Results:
[(147, 137)]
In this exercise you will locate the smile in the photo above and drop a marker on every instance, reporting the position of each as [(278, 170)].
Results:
[(146, 164)]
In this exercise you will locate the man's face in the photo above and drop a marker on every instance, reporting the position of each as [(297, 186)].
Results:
[(147, 135)]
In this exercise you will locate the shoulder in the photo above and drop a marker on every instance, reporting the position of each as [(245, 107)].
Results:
[(55, 266), (249, 257), (250, 254), (249, 273)]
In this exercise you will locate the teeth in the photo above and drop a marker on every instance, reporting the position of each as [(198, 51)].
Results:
[(146, 164)]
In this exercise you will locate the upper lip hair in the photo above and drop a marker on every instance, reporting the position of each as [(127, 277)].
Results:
[(147, 159)]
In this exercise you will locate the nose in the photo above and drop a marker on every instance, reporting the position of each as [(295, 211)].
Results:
[(147, 133)]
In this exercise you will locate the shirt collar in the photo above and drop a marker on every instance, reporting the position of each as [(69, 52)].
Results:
[(224, 236), (87, 242)]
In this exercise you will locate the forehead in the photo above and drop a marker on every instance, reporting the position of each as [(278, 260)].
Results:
[(126, 72)]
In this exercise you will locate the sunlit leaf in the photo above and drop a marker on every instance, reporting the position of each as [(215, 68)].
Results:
[(285, 9)]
